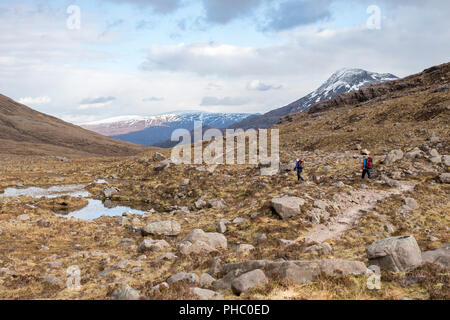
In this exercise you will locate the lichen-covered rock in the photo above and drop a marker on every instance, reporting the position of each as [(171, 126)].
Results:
[(393, 156), (197, 241), (286, 206), (165, 228), (248, 280), (395, 253)]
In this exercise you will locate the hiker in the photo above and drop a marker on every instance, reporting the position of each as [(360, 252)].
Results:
[(299, 168), (367, 166)]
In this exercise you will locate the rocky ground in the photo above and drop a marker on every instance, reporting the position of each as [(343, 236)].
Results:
[(212, 232)]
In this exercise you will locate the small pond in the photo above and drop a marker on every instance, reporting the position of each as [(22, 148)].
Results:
[(94, 209)]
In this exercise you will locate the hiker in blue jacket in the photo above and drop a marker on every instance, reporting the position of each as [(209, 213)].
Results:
[(367, 166), (299, 168)]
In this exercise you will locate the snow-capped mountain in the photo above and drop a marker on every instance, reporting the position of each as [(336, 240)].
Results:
[(148, 130), (342, 81)]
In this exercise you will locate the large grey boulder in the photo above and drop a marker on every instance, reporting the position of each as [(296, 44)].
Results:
[(152, 245), (393, 156), (286, 206), (299, 272), (165, 228), (197, 241), (439, 256), (248, 280), (395, 254)]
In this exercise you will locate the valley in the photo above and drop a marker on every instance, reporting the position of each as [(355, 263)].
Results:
[(226, 231)]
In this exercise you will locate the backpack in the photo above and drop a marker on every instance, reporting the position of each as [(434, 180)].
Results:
[(300, 164), (369, 163)]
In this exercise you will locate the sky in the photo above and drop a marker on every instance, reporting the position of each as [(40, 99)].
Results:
[(85, 60)]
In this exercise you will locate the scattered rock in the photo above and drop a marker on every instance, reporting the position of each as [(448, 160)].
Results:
[(158, 157), (221, 227), (216, 204), (238, 220), (205, 294), (248, 280), (286, 206), (206, 280), (108, 192), (244, 248), (183, 276), (197, 241), (411, 203), (165, 256), (395, 253), (164, 228), (260, 237), (152, 245), (393, 156), (51, 280), (216, 266), (163, 165), (125, 292), (440, 256), (444, 178), (323, 248)]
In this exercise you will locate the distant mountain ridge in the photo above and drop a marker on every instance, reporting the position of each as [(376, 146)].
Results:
[(150, 130), (342, 81)]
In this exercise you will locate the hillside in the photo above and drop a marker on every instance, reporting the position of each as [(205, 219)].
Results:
[(203, 231), (342, 81), (24, 131)]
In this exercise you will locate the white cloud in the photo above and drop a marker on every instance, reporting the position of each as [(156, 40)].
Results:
[(261, 86)]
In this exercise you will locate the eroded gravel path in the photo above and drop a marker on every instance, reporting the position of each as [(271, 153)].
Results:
[(353, 205)]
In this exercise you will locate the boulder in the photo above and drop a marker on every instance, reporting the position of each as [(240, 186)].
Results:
[(152, 245), (365, 152), (158, 157), (205, 294), (197, 241), (248, 280), (439, 256), (183, 276), (446, 160), (395, 254), (286, 206), (414, 153), (108, 192), (411, 203), (393, 156), (221, 227), (444, 178), (163, 165), (125, 292), (164, 228), (244, 248), (216, 204), (206, 280)]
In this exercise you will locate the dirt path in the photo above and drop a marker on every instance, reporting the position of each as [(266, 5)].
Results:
[(365, 200)]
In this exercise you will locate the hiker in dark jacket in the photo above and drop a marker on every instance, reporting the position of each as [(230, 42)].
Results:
[(367, 166), (299, 168)]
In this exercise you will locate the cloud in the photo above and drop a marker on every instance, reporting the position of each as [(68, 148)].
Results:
[(222, 12), (152, 99), (95, 103), (159, 6), (292, 13), (260, 86), (37, 101), (226, 101), (97, 100)]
